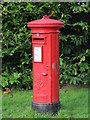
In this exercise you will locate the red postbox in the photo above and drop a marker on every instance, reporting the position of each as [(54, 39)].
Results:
[(45, 45)]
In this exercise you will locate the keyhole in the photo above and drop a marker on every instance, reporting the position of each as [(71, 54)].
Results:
[(47, 66)]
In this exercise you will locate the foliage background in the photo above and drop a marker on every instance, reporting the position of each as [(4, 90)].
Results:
[(17, 44)]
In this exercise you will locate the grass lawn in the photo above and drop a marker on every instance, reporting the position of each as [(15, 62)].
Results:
[(74, 104)]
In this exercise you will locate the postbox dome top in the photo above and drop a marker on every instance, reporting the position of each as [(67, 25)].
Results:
[(45, 22)]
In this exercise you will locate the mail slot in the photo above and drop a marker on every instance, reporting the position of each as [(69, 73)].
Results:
[(38, 40), (45, 47)]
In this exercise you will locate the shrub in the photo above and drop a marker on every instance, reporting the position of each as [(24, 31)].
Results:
[(17, 44)]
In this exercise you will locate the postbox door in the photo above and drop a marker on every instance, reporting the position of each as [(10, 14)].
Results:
[(41, 70)]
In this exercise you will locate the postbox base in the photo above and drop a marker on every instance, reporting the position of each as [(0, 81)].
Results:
[(44, 108)]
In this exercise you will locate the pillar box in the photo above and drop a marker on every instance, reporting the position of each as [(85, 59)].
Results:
[(45, 47)]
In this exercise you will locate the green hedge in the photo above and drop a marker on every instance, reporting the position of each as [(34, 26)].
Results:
[(17, 44)]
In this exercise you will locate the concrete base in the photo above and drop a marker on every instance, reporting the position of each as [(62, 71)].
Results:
[(44, 108)]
